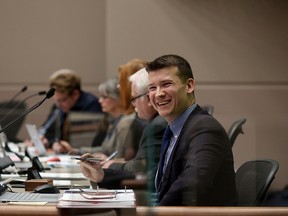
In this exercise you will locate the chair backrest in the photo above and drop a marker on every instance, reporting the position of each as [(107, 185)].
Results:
[(9, 111), (208, 108), (235, 130), (82, 128), (253, 179)]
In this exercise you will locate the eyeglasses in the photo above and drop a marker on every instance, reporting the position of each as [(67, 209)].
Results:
[(133, 100)]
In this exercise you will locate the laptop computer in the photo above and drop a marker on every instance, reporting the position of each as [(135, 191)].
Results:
[(8, 196)]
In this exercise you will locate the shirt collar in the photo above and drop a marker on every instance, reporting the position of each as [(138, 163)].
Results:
[(177, 125)]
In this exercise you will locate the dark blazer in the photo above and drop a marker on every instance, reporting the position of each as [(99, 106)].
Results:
[(201, 168), (145, 160), (149, 148)]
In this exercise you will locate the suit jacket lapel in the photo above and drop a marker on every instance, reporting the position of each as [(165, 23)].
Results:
[(176, 146)]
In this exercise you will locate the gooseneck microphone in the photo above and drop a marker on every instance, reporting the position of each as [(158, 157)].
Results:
[(20, 103), (38, 93), (49, 94), (23, 89)]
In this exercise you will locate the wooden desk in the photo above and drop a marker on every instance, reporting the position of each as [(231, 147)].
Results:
[(51, 210), (47, 210), (209, 211)]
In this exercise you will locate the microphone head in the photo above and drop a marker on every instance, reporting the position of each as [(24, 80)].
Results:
[(50, 93), (41, 92), (24, 88)]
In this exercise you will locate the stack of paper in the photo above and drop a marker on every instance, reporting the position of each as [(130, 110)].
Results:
[(88, 198)]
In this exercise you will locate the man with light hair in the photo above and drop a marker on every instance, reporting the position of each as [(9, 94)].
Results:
[(148, 152), (149, 148)]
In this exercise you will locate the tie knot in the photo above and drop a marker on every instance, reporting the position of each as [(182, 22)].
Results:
[(168, 133)]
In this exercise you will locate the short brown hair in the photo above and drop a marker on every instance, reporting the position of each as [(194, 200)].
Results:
[(65, 81)]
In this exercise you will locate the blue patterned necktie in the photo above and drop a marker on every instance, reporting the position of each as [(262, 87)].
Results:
[(165, 143)]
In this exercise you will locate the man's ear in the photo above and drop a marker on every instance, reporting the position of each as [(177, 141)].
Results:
[(190, 85)]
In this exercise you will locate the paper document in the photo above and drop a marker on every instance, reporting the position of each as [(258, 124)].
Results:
[(63, 176), (89, 198)]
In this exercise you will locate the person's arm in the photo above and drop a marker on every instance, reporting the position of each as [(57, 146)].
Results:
[(106, 178), (62, 146), (48, 128), (113, 178), (123, 138), (148, 153)]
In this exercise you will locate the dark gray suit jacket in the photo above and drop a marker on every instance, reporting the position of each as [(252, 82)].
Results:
[(148, 152), (201, 167), (146, 159)]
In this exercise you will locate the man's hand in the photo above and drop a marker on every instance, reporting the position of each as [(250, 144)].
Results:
[(91, 170), (101, 156), (61, 147)]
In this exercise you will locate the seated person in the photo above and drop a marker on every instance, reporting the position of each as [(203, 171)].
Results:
[(68, 97), (136, 129), (196, 166), (150, 143), (118, 130), (148, 152)]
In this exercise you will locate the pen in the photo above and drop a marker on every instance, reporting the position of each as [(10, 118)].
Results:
[(95, 160), (111, 156)]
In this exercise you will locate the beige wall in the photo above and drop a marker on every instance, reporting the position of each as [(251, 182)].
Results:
[(237, 48)]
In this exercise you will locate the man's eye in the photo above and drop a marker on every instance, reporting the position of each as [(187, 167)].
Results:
[(152, 88), (167, 84)]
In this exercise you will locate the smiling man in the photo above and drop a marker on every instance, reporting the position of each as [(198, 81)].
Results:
[(196, 166), (196, 163)]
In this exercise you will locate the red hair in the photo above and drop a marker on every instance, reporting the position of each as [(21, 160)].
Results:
[(125, 71)]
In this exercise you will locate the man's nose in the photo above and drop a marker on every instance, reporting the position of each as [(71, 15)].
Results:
[(159, 92)]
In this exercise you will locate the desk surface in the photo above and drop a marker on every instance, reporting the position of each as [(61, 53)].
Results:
[(215, 211), (49, 210)]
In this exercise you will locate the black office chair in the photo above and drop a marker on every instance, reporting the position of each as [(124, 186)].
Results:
[(235, 130), (208, 108), (9, 111), (253, 179)]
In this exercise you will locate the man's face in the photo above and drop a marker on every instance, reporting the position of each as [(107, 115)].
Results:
[(168, 95), (142, 104), (64, 101)]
